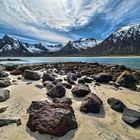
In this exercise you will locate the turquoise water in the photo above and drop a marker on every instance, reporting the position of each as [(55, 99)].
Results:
[(132, 62)]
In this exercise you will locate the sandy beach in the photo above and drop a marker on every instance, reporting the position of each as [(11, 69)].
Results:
[(107, 125)]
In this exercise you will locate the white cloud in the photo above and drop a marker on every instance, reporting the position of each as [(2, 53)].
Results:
[(55, 19)]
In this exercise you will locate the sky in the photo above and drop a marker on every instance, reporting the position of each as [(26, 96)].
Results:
[(64, 20)]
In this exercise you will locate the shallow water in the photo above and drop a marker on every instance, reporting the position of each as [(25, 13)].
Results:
[(132, 62)]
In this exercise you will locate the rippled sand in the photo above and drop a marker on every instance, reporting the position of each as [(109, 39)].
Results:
[(107, 125)]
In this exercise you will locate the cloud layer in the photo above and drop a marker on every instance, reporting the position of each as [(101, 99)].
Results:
[(63, 20)]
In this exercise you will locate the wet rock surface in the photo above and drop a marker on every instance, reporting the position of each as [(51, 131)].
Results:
[(49, 118), (103, 77)]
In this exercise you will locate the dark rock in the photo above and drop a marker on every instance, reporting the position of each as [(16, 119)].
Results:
[(131, 117), (81, 90), (64, 100), (127, 80), (4, 122), (91, 104), (3, 74), (4, 95), (67, 85), (48, 85), (116, 104), (81, 81), (103, 77), (10, 67), (70, 81), (97, 84), (48, 77), (57, 91), (3, 109), (16, 72), (39, 86), (4, 83), (57, 81), (72, 76), (19, 78), (31, 75), (22, 68), (28, 83), (88, 80), (49, 118)]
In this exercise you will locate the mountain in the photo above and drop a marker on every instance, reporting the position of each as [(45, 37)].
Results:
[(125, 41), (77, 46), (10, 46)]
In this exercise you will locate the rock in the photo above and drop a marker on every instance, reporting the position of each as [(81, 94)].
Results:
[(97, 84), (57, 91), (4, 95), (31, 75), (70, 81), (72, 76), (64, 100), (116, 104), (4, 83), (10, 67), (3, 74), (91, 104), (48, 85), (16, 72), (81, 81), (67, 85), (48, 77), (81, 90), (22, 68), (4, 122), (3, 109), (49, 118), (127, 80), (103, 77), (19, 78), (88, 80), (28, 83), (131, 117), (39, 86), (57, 81)]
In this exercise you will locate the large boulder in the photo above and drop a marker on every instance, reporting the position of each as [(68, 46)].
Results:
[(10, 67), (131, 117), (31, 75), (103, 77), (16, 72), (64, 100), (4, 95), (81, 90), (72, 76), (57, 91), (126, 79), (3, 74), (48, 77), (49, 118), (91, 104), (116, 104), (4, 83)]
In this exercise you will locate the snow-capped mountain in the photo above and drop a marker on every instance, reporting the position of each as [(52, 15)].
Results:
[(10, 46), (125, 41), (74, 47)]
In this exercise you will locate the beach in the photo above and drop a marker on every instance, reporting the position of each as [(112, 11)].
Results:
[(106, 125)]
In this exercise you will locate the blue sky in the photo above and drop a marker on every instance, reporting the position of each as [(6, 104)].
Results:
[(64, 20)]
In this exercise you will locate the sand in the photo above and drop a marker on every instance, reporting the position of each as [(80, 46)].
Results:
[(107, 125)]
